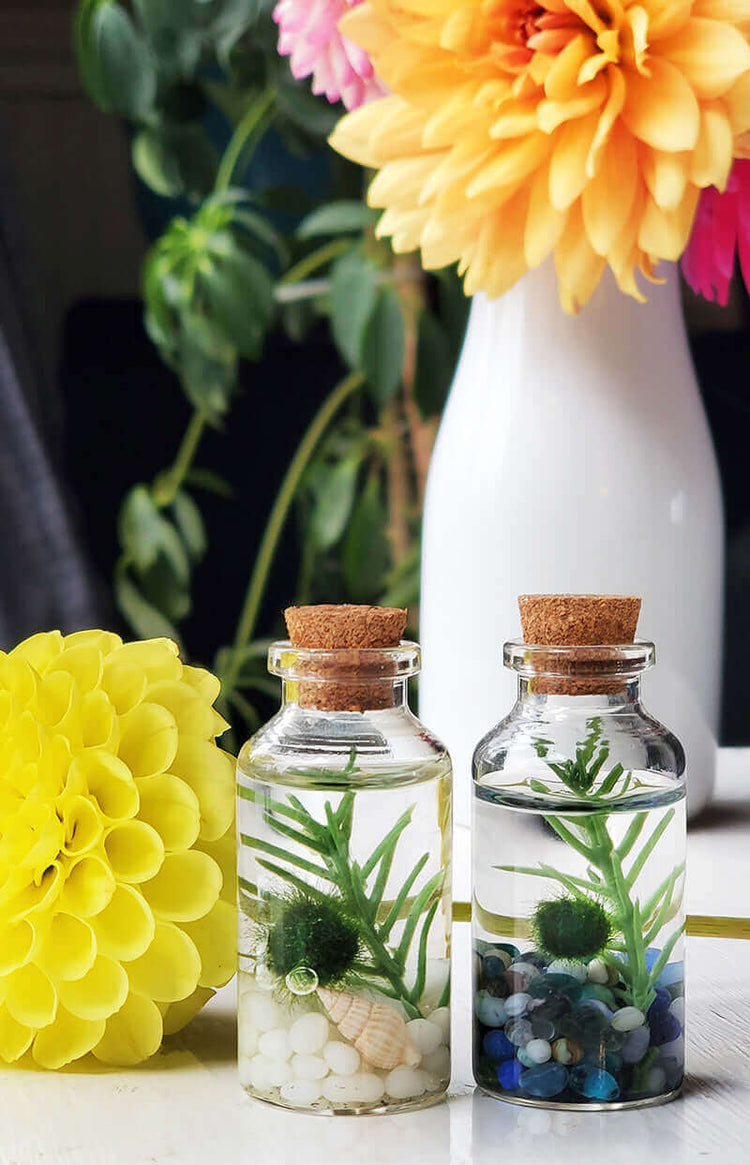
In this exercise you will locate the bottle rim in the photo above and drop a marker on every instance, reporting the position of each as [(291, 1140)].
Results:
[(344, 664), (615, 660)]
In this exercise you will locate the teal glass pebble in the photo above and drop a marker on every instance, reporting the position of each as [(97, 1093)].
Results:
[(635, 1045), (594, 1083), (545, 985), (489, 1011), (600, 993), (545, 1081)]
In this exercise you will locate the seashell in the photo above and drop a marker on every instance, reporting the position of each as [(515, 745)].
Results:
[(377, 1030)]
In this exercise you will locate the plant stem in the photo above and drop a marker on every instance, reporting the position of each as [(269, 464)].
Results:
[(277, 518), (173, 478), (256, 118), (314, 260)]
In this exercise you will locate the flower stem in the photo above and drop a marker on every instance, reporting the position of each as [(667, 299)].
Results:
[(314, 260), (254, 121), (277, 518), (170, 481)]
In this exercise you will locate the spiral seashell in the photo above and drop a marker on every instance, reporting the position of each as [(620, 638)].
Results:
[(377, 1030)]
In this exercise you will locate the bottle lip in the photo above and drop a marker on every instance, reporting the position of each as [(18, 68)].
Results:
[(564, 661), (344, 664)]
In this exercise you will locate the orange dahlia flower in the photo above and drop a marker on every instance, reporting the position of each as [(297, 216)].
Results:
[(518, 128)]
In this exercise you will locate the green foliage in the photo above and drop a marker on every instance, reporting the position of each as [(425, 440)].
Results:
[(571, 928), (316, 933), (383, 346), (354, 293)]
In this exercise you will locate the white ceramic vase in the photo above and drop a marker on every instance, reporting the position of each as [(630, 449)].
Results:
[(574, 456)]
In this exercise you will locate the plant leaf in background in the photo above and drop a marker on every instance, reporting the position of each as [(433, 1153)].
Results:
[(337, 218), (383, 346), (114, 59), (353, 297), (367, 554)]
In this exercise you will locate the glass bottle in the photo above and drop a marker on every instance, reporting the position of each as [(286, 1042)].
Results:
[(344, 819), (578, 870)]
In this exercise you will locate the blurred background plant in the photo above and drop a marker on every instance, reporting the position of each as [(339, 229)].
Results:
[(201, 89)]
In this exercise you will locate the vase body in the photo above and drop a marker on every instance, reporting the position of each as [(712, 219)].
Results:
[(574, 456)]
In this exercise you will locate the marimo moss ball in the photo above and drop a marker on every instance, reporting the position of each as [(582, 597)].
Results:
[(315, 933), (571, 928)]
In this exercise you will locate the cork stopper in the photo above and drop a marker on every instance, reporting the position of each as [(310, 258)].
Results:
[(347, 680), (584, 621)]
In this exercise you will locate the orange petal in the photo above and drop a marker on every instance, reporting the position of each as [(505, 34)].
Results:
[(567, 171), (665, 233), (578, 266), (662, 110), (607, 199), (711, 159), (666, 177), (544, 223), (710, 54)]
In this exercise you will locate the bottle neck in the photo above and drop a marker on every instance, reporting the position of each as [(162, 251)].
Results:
[(333, 696), (626, 696)]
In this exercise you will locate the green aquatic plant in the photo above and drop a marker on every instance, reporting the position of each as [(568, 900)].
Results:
[(322, 869), (571, 928), (612, 870), (313, 933)]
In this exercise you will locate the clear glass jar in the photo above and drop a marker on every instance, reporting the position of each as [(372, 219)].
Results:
[(344, 822), (578, 870)]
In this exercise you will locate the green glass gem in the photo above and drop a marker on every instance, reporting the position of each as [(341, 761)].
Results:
[(301, 981)]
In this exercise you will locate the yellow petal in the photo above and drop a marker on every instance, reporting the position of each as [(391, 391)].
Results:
[(215, 937), (159, 659), (711, 161), (89, 886), (132, 1035), (30, 997), (608, 198), (192, 715), (210, 774), (124, 682), (17, 945), (98, 721), (170, 968), (82, 824), (148, 740), (83, 662), (15, 1037), (68, 1038), (54, 698), (69, 948), (666, 177), (562, 83), (104, 641), (664, 234), (39, 650), (177, 1015), (511, 163), (710, 54), (109, 781), (662, 110), (170, 807), (125, 928), (205, 683), (544, 223), (578, 266), (134, 850), (567, 171), (552, 114), (737, 103), (97, 994), (352, 134), (186, 887)]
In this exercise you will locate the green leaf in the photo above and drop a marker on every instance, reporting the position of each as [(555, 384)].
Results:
[(115, 63), (383, 346), (146, 621), (190, 525), (337, 218), (141, 527), (166, 589), (435, 366), (335, 498), (238, 293), (353, 296), (367, 555), (155, 165), (208, 381), (211, 482)]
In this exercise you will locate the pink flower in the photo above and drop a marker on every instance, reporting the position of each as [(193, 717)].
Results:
[(309, 36), (721, 230)]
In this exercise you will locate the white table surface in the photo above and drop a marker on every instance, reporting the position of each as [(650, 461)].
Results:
[(186, 1106)]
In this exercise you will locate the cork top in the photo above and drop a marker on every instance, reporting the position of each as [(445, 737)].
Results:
[(579, 619), (347, 657), (583, 633), (329, 626)]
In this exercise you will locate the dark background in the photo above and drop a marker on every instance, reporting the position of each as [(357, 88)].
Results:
[(81, 227)]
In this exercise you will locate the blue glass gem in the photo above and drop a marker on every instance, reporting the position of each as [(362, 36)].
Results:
[(635, 1045), (594, 1083), (661, 1003), (545, 1081), (672, 975), (652, 954), (664, 1028), (492, 967), (509, 1073), (497, 1046)]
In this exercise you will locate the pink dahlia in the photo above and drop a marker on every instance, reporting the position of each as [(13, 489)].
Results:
[(721, 231), (309, 36)]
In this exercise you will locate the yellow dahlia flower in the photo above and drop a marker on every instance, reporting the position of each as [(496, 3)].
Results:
[(116, 847), (518, 128)]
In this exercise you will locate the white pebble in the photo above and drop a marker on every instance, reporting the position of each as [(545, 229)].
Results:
[(402, 1083), (438, 1064), (309, 1067), (340, 1089), (369, 1087), (517, 1004), (527, 970), (598, 972), (266, 1073), (247, 1038), (627, 1019), (656, 1079), (309, 1034), (539, 1051), (489, 1011), (342, 1059), (677, 1008), (424, 1035), (442, 1017), (301, 1092), (568, 967), (274, 1044), (263, 1013)]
